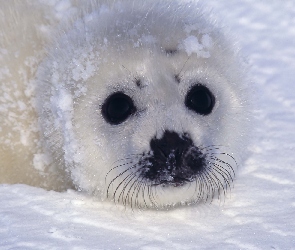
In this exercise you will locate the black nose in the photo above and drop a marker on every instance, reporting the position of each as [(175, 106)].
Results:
[(171, 146), (174, 160)]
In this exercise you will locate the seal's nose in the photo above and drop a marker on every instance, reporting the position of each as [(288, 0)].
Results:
[(174, 160), (170, 146)]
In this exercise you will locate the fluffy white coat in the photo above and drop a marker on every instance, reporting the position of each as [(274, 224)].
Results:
[(60, 60)]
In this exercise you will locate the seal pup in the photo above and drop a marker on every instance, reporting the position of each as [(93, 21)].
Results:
[(144, 103)]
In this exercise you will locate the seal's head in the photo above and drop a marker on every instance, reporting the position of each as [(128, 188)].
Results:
[(144, 104)]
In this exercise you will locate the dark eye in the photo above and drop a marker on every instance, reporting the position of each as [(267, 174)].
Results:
[(117, 108), (200, 99)]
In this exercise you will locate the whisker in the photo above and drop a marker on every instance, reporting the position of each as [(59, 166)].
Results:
[(223, 174), (118, 186), (131, 177), (117, 178), (131, 187), (179, 76)]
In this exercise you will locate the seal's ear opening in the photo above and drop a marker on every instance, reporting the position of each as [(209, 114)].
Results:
[(117, 108)]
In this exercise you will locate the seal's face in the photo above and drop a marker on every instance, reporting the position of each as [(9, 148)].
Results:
[(146, 107)]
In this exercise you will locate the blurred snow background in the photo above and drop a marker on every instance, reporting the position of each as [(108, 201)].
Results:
[(259, 213)]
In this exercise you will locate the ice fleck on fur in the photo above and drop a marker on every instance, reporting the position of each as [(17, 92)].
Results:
[(41, 161), (192, 45)]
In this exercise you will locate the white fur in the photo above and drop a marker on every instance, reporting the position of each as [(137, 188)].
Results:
[(57, 70)]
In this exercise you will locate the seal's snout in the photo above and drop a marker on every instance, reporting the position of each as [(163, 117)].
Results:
[(170, 147), (174, 160)]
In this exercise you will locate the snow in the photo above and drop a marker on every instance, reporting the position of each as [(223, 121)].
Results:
[(192, 45), (258, 213)]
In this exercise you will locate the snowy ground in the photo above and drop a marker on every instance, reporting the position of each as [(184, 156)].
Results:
[(258, 214)]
